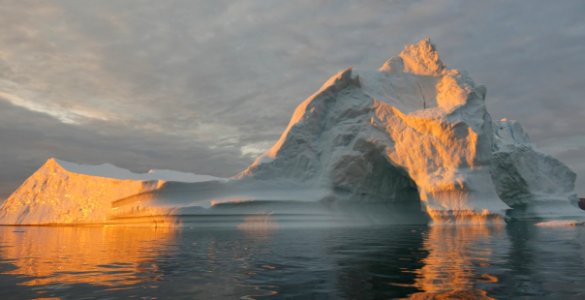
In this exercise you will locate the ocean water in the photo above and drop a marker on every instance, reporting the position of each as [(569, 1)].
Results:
[(260, 259)]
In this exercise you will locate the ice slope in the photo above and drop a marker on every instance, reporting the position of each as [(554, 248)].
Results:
[(533, 183), (412, 131), (63, 192)]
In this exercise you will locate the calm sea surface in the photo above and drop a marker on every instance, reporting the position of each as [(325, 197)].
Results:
[(264, 260)]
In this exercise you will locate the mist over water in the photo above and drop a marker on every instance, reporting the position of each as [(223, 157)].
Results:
[(260, 258)]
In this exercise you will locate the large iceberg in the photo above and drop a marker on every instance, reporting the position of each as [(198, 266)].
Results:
[(406, 142), (413, 131)]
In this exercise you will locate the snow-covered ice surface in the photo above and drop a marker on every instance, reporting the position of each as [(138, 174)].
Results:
[(111, 171), (406, 142)]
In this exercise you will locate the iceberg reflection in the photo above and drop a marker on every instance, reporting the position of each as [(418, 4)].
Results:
[(262, 256), (106, 255), (457, 265)]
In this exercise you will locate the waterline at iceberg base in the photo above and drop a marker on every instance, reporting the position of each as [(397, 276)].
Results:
[(411, 142)]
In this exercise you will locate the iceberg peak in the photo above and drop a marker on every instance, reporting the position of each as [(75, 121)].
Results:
[(339, 81), (421, 58), (51, 163)]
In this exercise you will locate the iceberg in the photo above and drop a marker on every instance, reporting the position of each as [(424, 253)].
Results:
[(62, 192), (409, 142)]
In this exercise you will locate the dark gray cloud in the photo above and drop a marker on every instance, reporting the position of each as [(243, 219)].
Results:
[(202, 86)]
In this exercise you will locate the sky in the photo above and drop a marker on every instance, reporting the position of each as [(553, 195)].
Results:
[(206, 86)]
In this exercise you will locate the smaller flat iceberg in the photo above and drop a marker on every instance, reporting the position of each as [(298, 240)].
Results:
[(62, 192)]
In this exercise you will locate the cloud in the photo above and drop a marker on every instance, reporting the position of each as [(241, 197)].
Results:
[(255, 149), (67, 116)]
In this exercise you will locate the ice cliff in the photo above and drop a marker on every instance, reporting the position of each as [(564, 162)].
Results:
[(411, 138)]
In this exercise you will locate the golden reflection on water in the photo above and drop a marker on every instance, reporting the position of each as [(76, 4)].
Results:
[(451, 270), (102, 255)]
